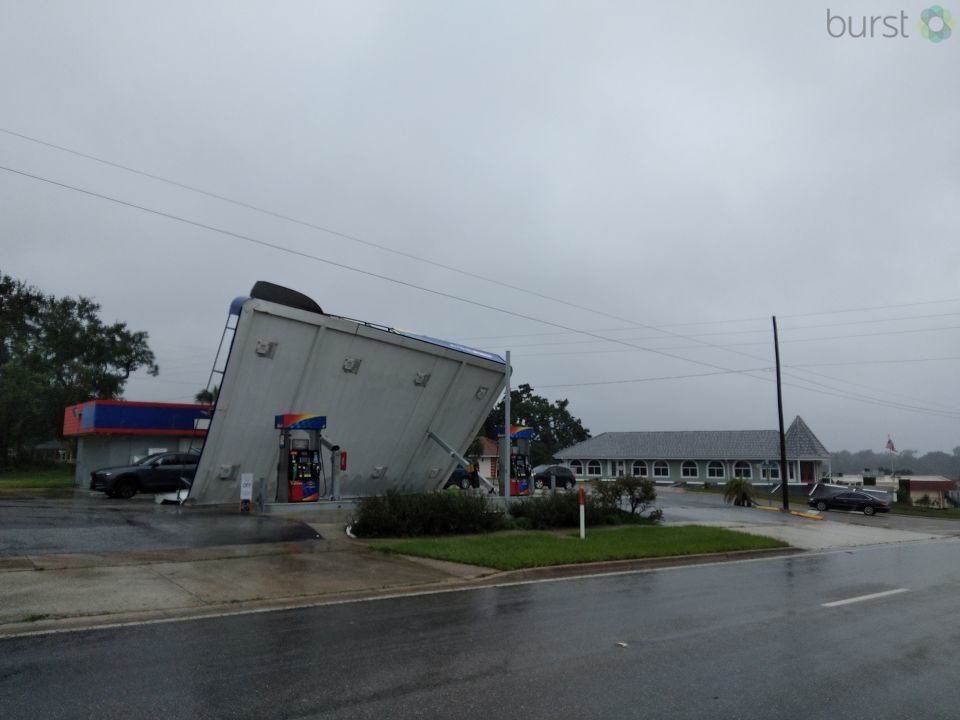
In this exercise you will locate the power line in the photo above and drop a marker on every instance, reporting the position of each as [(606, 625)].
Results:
[(313, 226), (751, 344), (338, 234), (821, 389), (351, 268), (688, 347), (859, 397), (743, 332), (755, 319), (875, 362), (653, 379), (384, 248), (874, 307), (344, 266)]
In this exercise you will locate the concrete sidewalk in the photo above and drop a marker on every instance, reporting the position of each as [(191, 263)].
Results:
[(66, 591), (48, 593)]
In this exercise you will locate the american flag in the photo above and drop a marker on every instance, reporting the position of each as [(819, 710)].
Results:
[(890, 445)]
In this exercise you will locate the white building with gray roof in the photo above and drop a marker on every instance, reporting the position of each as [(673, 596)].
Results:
[(700, 455)]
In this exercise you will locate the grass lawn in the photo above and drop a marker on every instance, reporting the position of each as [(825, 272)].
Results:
[(61, 477), (510, 551)]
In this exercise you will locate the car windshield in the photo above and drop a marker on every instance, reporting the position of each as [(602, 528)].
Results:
[(149, 459)]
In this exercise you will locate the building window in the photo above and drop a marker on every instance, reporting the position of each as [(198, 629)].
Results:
[(715, 470), (593, 468), (661, 469), (577, 467), (774, 472), (639, 468), (743, 470), (689, 469)]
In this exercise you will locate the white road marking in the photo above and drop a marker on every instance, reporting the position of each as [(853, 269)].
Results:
[(861, 598)]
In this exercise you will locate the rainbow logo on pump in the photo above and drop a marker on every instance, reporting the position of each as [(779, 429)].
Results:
[(299, 422)]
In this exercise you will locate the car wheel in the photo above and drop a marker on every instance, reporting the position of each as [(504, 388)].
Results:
[(538, 484), (126, 488), (868, 510), (821, 506), (568, 484), (465, 483)]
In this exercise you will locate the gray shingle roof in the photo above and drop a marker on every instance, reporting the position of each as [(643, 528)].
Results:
[(699, 445), (801, 442)]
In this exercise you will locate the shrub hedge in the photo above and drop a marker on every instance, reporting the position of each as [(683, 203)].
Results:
[(444, 513), (452, 512)]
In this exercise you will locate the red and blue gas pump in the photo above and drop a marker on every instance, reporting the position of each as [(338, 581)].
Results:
[(520, 437), (301, 466)]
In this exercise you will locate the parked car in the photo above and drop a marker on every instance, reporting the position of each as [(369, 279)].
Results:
[(160, 472), (463, 479), (565, 476), (853, 501)]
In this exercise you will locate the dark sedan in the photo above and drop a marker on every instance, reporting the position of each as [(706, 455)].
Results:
[(463, 479), (564, 475), (851, 501), (161, 472)]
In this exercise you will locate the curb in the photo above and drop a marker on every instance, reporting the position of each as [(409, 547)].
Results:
[(626, 566), (56, 625), (798, 513)]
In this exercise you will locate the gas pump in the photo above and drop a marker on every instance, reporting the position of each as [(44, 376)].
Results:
[(301, 467), (520, 437)]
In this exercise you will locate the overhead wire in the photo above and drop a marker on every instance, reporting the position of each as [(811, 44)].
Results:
[(250, 206), (457, 298), (351, 268), (741, 332), (313, 226), (356, 239)]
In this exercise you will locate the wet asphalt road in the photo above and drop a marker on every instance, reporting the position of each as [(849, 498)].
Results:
[(96, 524), (748, 640)]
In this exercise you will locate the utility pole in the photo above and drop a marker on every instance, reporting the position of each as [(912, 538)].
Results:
[(783, 438), (505, 450)]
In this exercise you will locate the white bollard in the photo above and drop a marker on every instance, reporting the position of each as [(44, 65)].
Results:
[(583, 502)]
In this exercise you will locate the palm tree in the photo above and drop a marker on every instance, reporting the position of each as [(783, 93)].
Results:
[(739, 492)]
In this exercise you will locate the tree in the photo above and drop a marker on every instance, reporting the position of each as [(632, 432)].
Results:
[(56, 352), (641, 493), (554, 427), (208, 397), (476, 448), (739, 492)]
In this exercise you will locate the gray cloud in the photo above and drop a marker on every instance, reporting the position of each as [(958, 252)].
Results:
[(659, 164)]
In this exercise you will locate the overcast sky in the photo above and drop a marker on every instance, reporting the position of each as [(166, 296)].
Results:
[(677, 173)]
